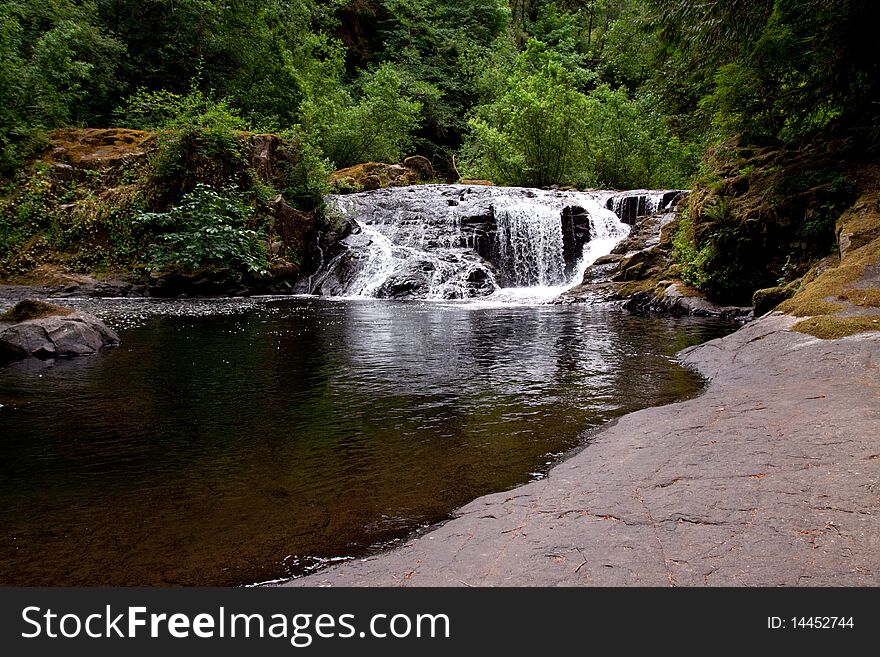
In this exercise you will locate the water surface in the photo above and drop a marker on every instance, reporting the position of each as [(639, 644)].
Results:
[(229, 442)]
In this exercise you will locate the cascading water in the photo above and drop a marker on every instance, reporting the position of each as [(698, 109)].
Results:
[(460, 242)]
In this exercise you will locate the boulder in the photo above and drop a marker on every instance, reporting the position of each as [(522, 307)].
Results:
[(96, 148), (768, 298), (41, 330), (678, 299)]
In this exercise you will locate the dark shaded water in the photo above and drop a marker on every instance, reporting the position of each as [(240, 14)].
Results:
[(231, 442)]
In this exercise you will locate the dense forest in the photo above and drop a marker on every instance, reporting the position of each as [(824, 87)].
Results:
[(588, 93)]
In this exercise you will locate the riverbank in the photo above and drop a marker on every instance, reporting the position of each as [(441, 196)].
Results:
[(771, 477)]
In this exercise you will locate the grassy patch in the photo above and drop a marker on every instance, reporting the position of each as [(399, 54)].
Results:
[(830, 328), (821, 296)]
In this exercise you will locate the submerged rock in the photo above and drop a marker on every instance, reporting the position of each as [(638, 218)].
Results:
[(42, 330)]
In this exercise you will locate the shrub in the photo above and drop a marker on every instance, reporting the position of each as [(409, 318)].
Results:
[(378, 126), (208, 230)]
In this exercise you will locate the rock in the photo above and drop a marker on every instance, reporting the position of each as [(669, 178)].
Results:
[(641, 264), (575, 235), (421, 166), (293, 227), (378, 175), (860, 225), (633, 205), (59, 333), (33, 309), (96, 148), (678, 299), (264, 154), (409, 281), (768, 298), (478, 183), (204, 283)]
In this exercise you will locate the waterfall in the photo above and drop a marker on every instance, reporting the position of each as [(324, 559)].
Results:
[(460, 242), (634, 204)]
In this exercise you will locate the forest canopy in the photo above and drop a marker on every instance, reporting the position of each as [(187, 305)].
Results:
[(616, 93)]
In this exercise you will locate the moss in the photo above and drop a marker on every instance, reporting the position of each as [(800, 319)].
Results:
[(33, 309), (768, 298), (627, 289), (822, 296), (863, 297), (830, 328), (860, 225)]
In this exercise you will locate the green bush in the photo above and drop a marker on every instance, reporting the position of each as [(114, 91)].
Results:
[(209, 230), (535, 133), (379, 125), (540, 128)]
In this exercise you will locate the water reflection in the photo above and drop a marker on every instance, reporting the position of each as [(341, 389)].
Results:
[(224, 443)]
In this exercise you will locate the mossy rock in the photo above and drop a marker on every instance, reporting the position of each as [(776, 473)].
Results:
[(766, 299), (97, 148), (860, 225), (376, 175), (33, 309), (831, 328)]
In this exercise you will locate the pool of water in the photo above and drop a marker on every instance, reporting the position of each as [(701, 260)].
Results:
[(234, 441)]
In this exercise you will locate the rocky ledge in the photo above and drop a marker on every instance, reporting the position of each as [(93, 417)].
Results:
[(640, 275), (771, 477), (42, 330)]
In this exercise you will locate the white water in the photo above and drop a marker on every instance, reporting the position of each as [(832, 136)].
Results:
[(427, 242), (534, 244)]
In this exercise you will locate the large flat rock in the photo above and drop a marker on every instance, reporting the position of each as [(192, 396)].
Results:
[(771, 477)]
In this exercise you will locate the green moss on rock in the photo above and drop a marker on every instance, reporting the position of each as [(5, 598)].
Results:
[(33, 309), (829, 327)]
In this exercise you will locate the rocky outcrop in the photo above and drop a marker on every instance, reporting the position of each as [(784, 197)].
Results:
[(377, 175), (96, 148), (840, 295), (632, 205), (640, 273), (575, 235), (50, 332)]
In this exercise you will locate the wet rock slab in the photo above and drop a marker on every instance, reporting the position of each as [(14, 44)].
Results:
[(771, 477)]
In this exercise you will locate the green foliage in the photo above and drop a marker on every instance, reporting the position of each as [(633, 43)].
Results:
[(378, 126), (57, 67), (775, 69), (44, 219), (535, 134), (201, 141), (725, 258), (304, 177), (632, 145), (542, 130), (208, 230), (24, 213), (195, 110)]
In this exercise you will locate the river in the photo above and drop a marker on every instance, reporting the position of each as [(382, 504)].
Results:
[(229, 442)]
